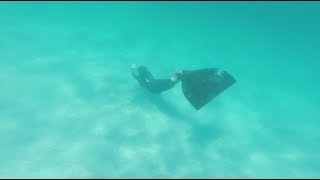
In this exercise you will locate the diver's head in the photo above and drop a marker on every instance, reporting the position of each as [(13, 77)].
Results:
[(135, 70)]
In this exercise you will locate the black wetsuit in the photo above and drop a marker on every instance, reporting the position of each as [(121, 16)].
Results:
[(198, 86), (146, 80)]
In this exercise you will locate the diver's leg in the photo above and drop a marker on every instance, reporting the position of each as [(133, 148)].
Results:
[(159, 85), (146, 80)]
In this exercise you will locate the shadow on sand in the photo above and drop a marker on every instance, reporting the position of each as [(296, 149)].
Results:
[(202, 133)]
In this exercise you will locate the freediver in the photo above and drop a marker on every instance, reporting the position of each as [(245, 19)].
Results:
[(198, 86), (147, 80)]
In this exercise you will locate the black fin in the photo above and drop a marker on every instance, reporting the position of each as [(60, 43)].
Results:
[(201, 86)]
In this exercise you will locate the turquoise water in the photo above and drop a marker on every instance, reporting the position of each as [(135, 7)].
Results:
[(71, 109)]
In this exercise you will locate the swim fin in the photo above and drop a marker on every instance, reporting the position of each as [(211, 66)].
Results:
[(201, 86)]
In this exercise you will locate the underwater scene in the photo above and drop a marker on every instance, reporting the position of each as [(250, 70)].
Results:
[(159, 89)]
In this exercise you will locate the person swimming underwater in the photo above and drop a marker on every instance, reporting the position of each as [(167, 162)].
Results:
[(198, 86), (147, 80)]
